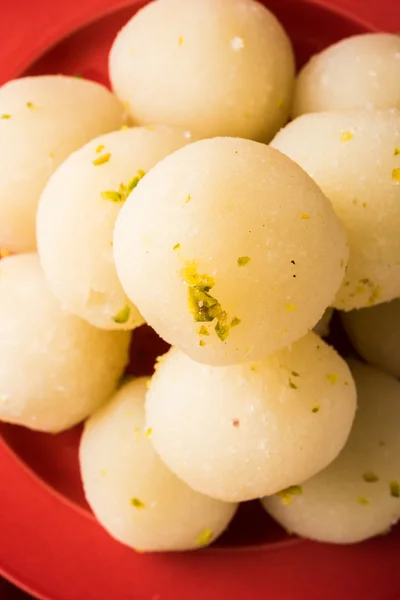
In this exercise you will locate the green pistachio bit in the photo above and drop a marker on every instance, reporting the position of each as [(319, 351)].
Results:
[(222, 328), (192, 278), (287, 494), (135, 180), (100, 148), (202, 343), (111, 195), (332, 378), (235, 321), (370, 477), (363, 501), (203, 330), (188, 198), (6, 116), (315, 408), (243, 261), (396, 174), (30, 105), (123, 315), (205, 538), (396, 151), (137, 503), (176, 247), (101, 160), (292, 385), (148, 433), (394, 489), (295, 374)]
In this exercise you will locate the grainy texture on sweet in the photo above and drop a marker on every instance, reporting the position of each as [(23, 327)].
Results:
[(243, 431), (359, 72), (218, 67), (50, 117), (77, 214), (355, 498), (55, 369), (246, 201), (356, 175), (132, 493), (375, 334)]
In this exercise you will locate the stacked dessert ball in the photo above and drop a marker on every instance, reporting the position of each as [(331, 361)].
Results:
[(181, 202)]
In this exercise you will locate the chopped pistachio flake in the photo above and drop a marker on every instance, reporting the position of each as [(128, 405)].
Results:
[(103, 473), (205, 538), (235, 321), (290, 307), (176, 247), (253, 368), (287, 494), (202, 343), (346, 136), (243, 261), (4, 253), (332, 378), (188, 198), (123, 191), (305, 216), (394, 489), (203, 306), (292, 385), (235, 422), (396, 174), (124, 127), (203, 330), (137, 503), (101, 160), (5, 116), (396, 151), (315, 408), (363, 501), (180, 40), (148, 433), (100, 148), (370, 477), (360, 289), (295, 374), (123, 315), (30, 105)]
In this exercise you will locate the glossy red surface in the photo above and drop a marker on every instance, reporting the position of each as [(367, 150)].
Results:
[(50, 544)]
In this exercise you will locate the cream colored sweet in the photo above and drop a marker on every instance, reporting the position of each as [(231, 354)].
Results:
[(375, 334), (243, 431), (355, 159), (55, 369), (132, 493), (358, 495), (42, 120), (229, 250), (217, 67), (359, 72), (77, 214)]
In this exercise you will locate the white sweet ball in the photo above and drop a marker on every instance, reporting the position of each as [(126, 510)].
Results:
[(132, 493), (42, 120), (375, 334), (229, 250), (358, 72), (243, 431), (55, 369), (218, 67), (77, 214), (355, 159), (358, 495)]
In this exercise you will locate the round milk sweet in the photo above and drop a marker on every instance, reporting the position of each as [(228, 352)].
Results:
[(42, 120), (132, 493), (217, 67), (55, 369)]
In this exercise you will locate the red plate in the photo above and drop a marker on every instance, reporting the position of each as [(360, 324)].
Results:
[(50, 543)]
